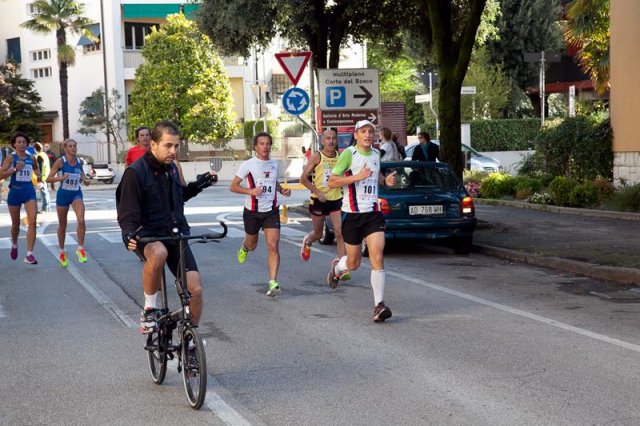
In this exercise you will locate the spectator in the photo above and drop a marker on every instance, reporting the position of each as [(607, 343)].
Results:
[(143, 138), (399, 146), (52, 159), (45, 167), (427, 150), (388, 150)]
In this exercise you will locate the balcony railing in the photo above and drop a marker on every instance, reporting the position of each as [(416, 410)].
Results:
[(132, 59)]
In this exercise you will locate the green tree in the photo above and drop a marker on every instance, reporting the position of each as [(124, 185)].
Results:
[(7, 71), (184, 80), (588, 29), (24, 112), (493, 88), (398, 81), (94, 120), (445, 33), (59, 16), (322, 26), (525, 26)]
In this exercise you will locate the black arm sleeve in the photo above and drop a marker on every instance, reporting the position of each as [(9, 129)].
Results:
[(190, 191), (128, 201)]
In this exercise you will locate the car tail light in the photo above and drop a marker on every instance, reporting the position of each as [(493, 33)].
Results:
[(466, 207), (384, 206)]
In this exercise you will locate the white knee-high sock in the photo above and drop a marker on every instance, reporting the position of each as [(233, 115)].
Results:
[(151, 300), (377, 284), (341, 266)]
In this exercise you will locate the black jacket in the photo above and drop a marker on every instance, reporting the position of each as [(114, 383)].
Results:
[(433, 152), (150, 195)]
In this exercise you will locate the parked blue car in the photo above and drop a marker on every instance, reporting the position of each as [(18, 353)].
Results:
[(428, 202)]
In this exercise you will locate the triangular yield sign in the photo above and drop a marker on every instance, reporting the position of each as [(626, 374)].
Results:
[(293, 64)]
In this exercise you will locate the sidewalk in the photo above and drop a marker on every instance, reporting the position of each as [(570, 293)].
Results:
[(598, 244)]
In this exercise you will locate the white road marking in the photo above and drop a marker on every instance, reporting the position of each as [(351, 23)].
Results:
[(51, 240), (2, 312), (213, 400), (291, 233), (111, 237), (504, 308), (232, 232)]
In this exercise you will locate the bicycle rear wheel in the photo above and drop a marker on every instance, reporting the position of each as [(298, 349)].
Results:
[(194, 367), (157, 355)]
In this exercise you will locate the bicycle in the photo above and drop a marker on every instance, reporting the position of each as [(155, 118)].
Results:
[(159, 345)]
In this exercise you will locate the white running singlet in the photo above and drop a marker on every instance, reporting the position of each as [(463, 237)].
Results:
[(359, 197), (260, 173)]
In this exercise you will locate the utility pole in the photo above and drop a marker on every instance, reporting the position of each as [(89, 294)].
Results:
[(106, 87), (542, 88)]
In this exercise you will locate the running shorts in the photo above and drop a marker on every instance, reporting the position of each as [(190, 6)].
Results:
[(318, 208), (253, 221), (357, 226)]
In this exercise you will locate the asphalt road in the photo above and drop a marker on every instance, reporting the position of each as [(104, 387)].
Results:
[(473, 340)]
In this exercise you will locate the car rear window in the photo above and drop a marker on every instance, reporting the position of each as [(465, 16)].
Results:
[(423, 177)]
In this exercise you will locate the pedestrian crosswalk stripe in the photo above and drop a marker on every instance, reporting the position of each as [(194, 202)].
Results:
[(51, 240), (112, 237), (231, 232)]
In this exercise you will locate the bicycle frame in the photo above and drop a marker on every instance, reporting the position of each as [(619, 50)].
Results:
[(190, 348)]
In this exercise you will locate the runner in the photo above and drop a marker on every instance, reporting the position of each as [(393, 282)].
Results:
[(358, 171), (261, 205), (324, 201), (20, 166), (69, 194)]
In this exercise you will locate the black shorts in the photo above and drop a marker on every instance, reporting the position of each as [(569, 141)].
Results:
[(253, 221), (173, 256), (318, 208), (357, 226)]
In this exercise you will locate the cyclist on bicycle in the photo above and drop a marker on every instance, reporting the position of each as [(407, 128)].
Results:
[(150, 202)]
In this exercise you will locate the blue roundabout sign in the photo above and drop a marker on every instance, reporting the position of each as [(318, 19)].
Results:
[(295, 101)]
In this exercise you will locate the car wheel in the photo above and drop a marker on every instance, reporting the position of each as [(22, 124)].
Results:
[(327, 236), (109, 181), (463, 245)]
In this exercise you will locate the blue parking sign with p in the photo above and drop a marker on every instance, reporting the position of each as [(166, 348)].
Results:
[(336, 96)]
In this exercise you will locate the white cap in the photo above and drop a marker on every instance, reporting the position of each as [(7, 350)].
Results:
[(360, 124)]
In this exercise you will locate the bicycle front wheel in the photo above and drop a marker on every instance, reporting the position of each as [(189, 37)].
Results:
[(194, 367), (157, 355)]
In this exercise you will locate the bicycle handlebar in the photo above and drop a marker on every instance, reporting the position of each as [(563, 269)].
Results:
[(176, 236)]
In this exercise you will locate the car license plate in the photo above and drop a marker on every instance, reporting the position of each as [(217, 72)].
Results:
[(425, 210)]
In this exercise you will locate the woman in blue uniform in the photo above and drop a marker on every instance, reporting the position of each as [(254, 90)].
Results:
[(69, 194), (20, 166)]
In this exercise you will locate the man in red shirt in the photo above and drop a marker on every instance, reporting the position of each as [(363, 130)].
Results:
[(143, 137)]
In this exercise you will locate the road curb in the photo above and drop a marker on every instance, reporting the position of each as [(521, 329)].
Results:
[(610, 273), (608, 214)]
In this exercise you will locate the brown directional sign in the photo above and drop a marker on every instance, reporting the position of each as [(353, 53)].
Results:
[(348, 117)]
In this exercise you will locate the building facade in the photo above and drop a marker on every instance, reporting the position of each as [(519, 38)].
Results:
[(625, 103), (121, 26)]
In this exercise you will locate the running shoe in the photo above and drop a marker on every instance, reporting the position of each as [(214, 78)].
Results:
[(149, 319), (332, 279), (30, 259), (63, 259), (381, 312), (305, 251), (14, 253), (82, 255), (274, 289), (242, 255)]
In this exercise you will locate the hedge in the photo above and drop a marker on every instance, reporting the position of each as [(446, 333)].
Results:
[(504, 134)]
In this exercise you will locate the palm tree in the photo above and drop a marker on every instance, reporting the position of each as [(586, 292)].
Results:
[(588, 29), (59, 16)]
